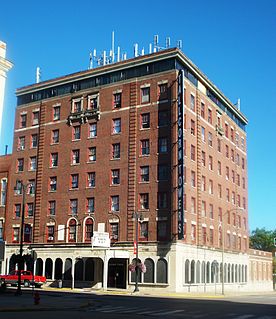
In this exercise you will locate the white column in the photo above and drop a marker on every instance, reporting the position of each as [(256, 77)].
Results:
[(73, 272), (105, 271)]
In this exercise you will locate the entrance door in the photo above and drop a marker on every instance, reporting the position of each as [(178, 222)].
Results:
[(117, 271)]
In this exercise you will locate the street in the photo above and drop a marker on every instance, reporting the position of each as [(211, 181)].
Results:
[(90, 305)]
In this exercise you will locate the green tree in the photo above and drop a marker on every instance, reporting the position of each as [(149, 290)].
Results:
[(262, 239)]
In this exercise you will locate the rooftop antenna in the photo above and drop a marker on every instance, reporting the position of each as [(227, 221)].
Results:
[(155, 42), (136, 50), (90, 61), (113, 47), (143, 52), (239, 104), (118, 54), (179, 44), (124, 56), (38, 74), (150, 48), (6, 149), (168, 42)]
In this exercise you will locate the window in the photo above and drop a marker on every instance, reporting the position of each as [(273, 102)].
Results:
[(75, 157), (115, 151), (204, 235), (227, 195), (27, 233), (192, 102), (54, 160), (114, 230), (115, 177), (211, 236), (163, 172), (92, 130), (232, 155), (56, 113), (219, 168), (143, 230), (73, 206), (115, 204), (145, 97), (17, 210), (211, 211), (32, 166), (72, 230), (243, 183), (242, 143), (233, 176), (238, 159), (243, 163), (210, 163), (202, 110), (30, 209), (145, 120), (92, 154), (163, 118), (163, 91), (203, 183), (203, 208), (117, 100), (193, 205), (193, 232), (21, 143), (210, 139), (20, 165), (52, 207), (192, 127), (55, 136), (144, 174), (88, 229), (23, 120), (210, 120), (18, 189), (244, 203), (116, 126), (220, 214), (237, 139), (35, 118), (219, 191), (226, 130), (15, 234), (74, 181), (203, 158), (93, 102), (193, 155), (91, 179), (34, 140), (76, 105), (3, 192), (144, 147), (76, 132), (227, 151), (219, 145), (144, 201), (161, 230), (50, 233), (203, 134), (238, 200), (162, 145), (162, 200), (53, 184), (233, 198), (227, 173), (90, 205), (211, 187), (193, 179), (232, 134)]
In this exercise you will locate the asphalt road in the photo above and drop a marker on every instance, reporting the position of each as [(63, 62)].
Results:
[(87, 305)]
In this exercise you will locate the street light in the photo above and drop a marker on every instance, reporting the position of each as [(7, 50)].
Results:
[(222, 256), (136, 217), (20, 186)]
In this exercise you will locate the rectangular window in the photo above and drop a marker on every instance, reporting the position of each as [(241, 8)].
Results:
[(161, 230), (210, 139), (144, 201), (30, 209), (76, 105), (88, 229), (163, 172), (163, 91), (116, 151), (92, 154), (115, 204), (226, 130), (244, 203), (35, 118), (15, 234), (193, 155), (203, 158), (242, 143), (53, 184), (21, 143), (144, 174), (202, 110), (20, 165), (23, 120), (203, 183), (54, 160), (227, 174), (114, 230), (219, 191), (91, 179), (76, 132), (143, 231), (3, 197), (219, 145), (238, 159), (50, 233), (193, 179), (211, 187), (210, 163), (93, 102), (243, 163), (243, 183), (92, 130), (210, 117), (55, 136), (204, 235), (162, 200), (145, 95), (238, 200), (211, 235), (237, 139), (115, 177), (211, 211), (52, 207), (90, 205), (193, 205), (145, 120), (116, 126), (203, 134), (219, 168), (34, 140), (232, 155), (227, 194), (163, 118), (192, 127), (32, 165), (193, 232), (232, 134), (162, 145), (220, 214), (144, 147), (74, 181), (17, 210), (75, 157), (73, 206), (117, 100), (227, 151), (192, 102), (56, 113), (203, 208)]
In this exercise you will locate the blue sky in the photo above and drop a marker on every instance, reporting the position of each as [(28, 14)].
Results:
[(232, 42)]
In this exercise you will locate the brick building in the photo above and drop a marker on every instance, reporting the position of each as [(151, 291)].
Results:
[(92, 148)]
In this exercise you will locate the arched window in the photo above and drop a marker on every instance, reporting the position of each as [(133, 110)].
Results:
[(72, 236), (149, 274), (88, 231), (192, 272), (198, 272), (49, 268), (236, 273), (245, 273), (208, 272), (232, 274), (187, 271), (162, 271), (203, 272)]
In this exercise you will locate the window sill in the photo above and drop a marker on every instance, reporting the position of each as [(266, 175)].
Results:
[(116, 185), (53, 167), (74, 189), (90, 162), (91, 137), (75, 164)]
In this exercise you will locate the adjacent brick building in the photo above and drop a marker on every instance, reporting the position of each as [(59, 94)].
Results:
[(96, 146)]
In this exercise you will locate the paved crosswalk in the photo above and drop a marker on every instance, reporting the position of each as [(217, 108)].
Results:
[(181, 313)]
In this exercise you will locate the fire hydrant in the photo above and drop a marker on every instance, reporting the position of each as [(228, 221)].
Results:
[(36, 298)]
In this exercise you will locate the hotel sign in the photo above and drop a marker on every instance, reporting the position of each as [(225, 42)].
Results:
[(180, 155)]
